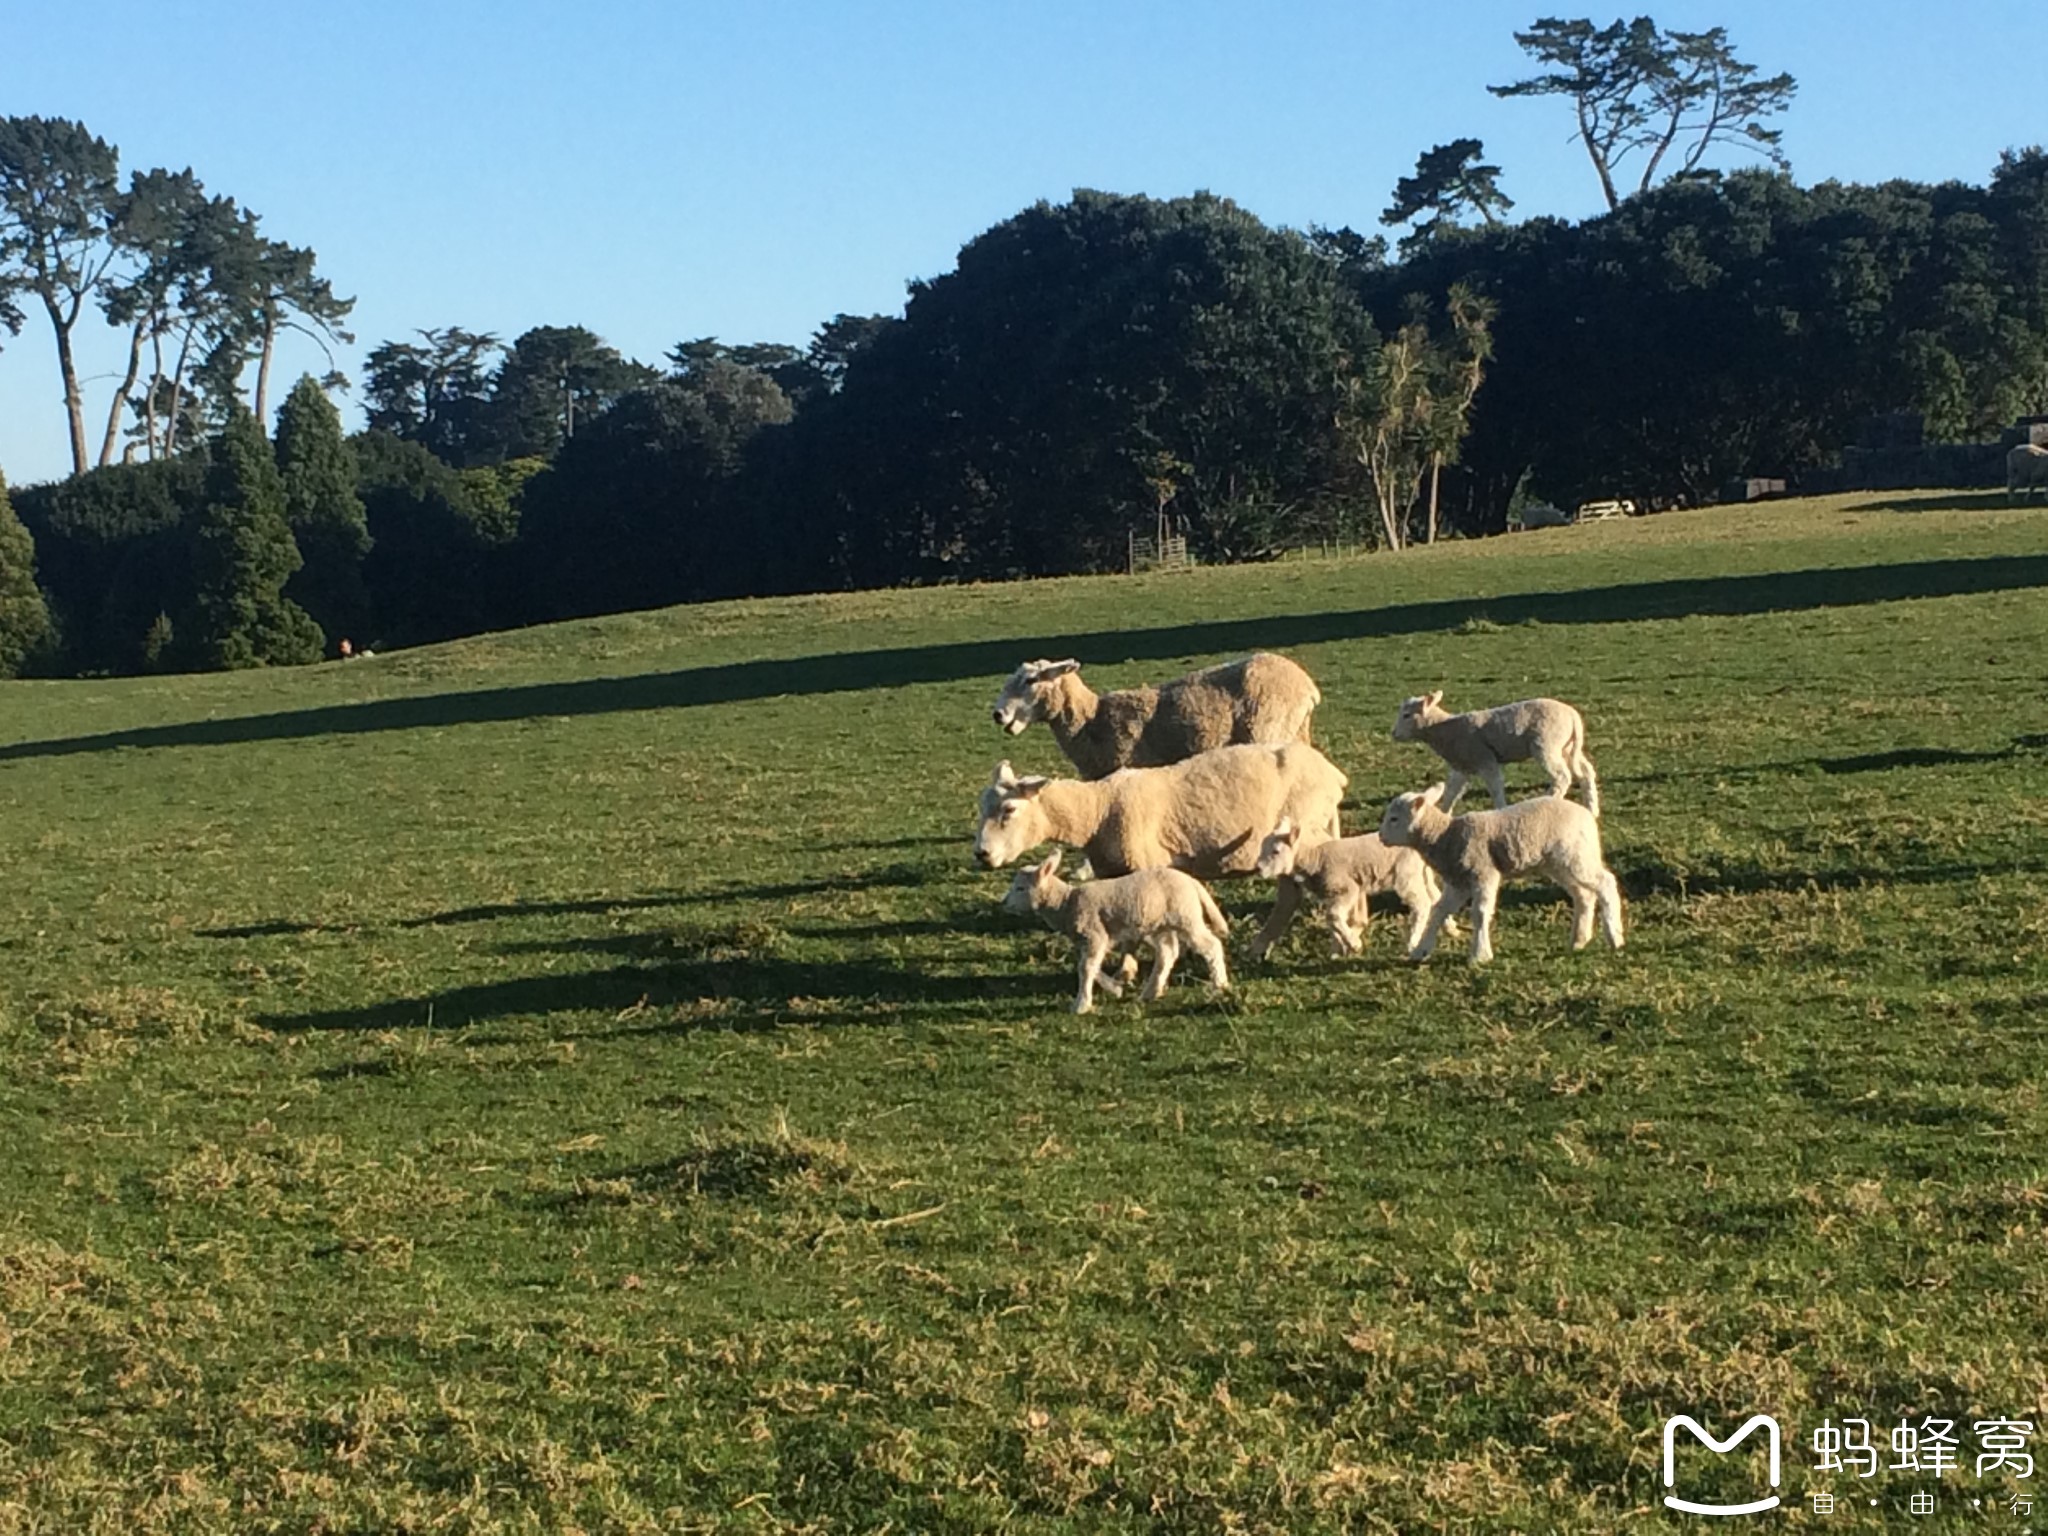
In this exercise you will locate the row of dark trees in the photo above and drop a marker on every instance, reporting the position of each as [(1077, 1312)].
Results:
[(1084, 368), (1084, 365)]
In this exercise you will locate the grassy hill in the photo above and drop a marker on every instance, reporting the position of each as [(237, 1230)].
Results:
[(577, 1078)]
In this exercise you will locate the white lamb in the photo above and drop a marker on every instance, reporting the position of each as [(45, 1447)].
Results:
[(1474, 745), (1338, 877), (1207, 815), (1263, 699), (1160, 907), (1472, 854)]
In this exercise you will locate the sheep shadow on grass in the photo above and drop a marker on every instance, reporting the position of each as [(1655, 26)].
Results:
[(740, 992), (1642, 879), (895, 875)]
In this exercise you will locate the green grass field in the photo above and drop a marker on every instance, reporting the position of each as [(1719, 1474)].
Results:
[(577, 1079)]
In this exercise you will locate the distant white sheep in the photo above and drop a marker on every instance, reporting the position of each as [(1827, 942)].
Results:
[(1472, 854), (1474, 745), (1207, 815), (1338, 877), (1263, 699), (2026, 471), (1160, 907)]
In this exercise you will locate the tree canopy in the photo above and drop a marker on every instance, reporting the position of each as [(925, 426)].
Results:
[(24, 613), (1450, 181), (243, 554), (1637, 89)]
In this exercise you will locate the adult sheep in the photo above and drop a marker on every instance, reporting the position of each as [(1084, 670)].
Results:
[(1263, 699), (2026, 471), (1206, 816)]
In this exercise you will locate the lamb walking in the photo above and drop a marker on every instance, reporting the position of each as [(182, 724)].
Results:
[(1339, 877), (1474, 745), (1472, 854), (1161, 907)]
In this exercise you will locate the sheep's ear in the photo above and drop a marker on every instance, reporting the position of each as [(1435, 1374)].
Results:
[(1285, 831), (1030, 786), (1051, 866), (1004, 776), (1058, 668), (1433, 700), (1431, 796)]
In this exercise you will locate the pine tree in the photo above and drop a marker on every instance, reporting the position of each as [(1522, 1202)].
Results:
[(24, 616), (243, 556), (323, 510)]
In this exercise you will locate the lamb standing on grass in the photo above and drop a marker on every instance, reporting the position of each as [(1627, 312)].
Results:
[(1338, 877), (1160, 907), (1207, 815), (1263, 699), (1473, 853), (1475, 744)]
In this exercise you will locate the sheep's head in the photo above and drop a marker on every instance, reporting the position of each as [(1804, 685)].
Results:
[(1011, 819), (1276, 853), (1025, 696), (1032, 889), (1405, 813), (1416, 713)]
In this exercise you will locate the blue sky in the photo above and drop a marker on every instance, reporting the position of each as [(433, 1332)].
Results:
[(662, 171)]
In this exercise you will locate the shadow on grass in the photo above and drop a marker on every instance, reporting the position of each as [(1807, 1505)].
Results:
[(1862, 762), (746, 993), (1770, 592), (874, 879), (1928, 757), (983, 920), (898, 875), (1959, 501), (1654, 878), (746, 1168), (273, 929)]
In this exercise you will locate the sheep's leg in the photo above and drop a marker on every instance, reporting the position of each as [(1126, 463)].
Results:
[(1210, 948), (1285, 902), (1610, 907), (1418, 897), (1484, 897), (1115, 978), (1556, 763), (1496, 785), (1093, 952), (1348, 917), (1165, 951), (1418, 918), (1446, 904), (1454, 789), (1589, 782), (1583, 898)]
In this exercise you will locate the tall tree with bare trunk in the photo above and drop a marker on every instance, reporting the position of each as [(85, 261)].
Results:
[(159, 233), (60, 198)]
